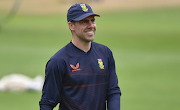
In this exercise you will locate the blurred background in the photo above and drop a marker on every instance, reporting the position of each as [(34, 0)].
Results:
[(144, 36)]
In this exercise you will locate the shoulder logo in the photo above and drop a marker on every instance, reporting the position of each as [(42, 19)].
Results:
[(84, 8), (75, 68), (100, 62)]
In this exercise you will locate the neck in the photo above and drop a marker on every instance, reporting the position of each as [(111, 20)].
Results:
[(84, 46)]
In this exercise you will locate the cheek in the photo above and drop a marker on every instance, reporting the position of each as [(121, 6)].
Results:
[(95, 26)]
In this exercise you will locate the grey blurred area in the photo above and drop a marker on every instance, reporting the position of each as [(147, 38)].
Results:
[(11, 13), (18, 83), (13, 10)]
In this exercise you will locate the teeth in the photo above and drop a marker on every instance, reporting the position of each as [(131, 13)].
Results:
[(90, 32)]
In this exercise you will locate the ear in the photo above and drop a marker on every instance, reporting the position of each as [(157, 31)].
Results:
[(71, 26)]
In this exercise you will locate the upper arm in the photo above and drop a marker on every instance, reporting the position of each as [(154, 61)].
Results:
[(53, 82), (113, 79), (114, 93)]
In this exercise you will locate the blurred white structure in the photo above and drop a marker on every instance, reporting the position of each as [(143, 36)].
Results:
[(18, 82)]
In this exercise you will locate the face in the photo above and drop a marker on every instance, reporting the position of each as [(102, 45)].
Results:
[(85, 29)]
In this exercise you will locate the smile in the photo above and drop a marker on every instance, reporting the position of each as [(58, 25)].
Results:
[(90, 32)]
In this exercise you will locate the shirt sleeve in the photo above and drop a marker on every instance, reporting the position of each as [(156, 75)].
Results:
[(114, 93), (52, 85)]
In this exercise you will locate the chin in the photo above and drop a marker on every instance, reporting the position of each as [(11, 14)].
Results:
[(91, 39)]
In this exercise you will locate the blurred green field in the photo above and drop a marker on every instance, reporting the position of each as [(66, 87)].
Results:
[(145, 44)]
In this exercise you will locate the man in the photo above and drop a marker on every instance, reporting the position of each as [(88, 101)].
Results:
[(81, 76)]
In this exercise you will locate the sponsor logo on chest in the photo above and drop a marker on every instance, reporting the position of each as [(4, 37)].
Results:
[(75, 68)]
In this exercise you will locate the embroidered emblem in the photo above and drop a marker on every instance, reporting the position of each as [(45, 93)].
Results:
[(75, 68), (84, 8), (101, 66)]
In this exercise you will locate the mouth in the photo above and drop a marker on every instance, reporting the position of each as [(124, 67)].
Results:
[(90, 32)]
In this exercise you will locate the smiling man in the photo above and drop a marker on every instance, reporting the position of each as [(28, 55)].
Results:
[(81, 75), (83, 32)]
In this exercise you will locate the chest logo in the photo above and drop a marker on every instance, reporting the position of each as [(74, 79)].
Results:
[(75, 68), (100, 62)]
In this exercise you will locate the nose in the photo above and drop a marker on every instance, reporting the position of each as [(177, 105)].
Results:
[(91, 24)]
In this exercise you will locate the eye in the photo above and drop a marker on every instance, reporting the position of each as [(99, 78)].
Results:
[(84, 21), (93, 21)]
